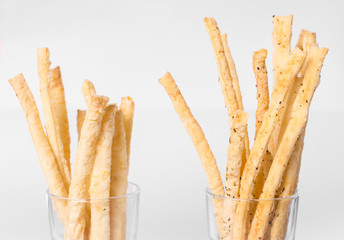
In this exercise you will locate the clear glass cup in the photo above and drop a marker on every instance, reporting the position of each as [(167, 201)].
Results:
[(128, 218), (280, 224)]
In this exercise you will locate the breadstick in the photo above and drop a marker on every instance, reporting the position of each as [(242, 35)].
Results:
[(260, 72), (81, 114), (288, 187), (101, 177), (259, 69), (236, 87), (296, 124), (232, 69), (45, 154), (281, 36), (306, 37), (226, 81), (60, 109), (83, 166), (88, 91), (80, 118), (234, 157), (260, 145), (197, 136), (119, 180), (51, 124), (127, 107)]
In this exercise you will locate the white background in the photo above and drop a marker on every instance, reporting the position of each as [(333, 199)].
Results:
[(124, 47)]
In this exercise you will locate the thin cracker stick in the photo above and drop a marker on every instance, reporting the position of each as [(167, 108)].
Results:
[(88, 90), (232, 69), (80, 118), (198, 138), (101, 178), (306, 37), (260, 145), (45, 155), (226, 81), (287, 188), (127, 106), (281, 37), (261, 74), (119, 180), (51, 125), (83, 166), (295, 126), (60, 109), (234, 159), (236, 87)]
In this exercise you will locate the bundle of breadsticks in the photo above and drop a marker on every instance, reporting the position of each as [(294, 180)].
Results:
[(270, 168), (102, 157)]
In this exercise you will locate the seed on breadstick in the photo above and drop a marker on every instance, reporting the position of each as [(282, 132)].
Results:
[(198, 138), (281, 36), (80, 118), (127, 106), (234, 159), (51, 123), (296, 124), (288, 187), (119, 180), (83, 165), (45, 154), (226, 81), (88, 91), (60, 109), (101, 177), (260, 145)]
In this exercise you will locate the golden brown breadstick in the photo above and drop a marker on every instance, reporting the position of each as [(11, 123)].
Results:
[(80, 118), (226, 81), (101, 177), (288, 187), (234, 154), (296, 124), (234, 157), (260, 72), (51, 125), (83, 166), (45, 155), (88, 91), (236, 87), (60, 109), (127, 107), (306, 37), (197, 136), (232, 69), (260, 145), (119, 180), (281, 36)]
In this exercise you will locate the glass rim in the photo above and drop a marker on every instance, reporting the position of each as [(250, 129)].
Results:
[(133, 193), (294, 196)]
